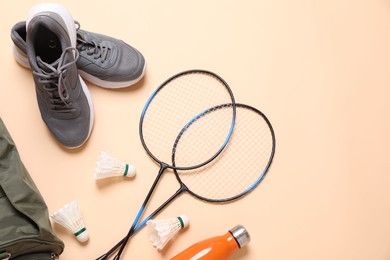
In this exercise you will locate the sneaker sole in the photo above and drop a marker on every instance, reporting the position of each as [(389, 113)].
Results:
[(91, 112), (111, 84), (20, 57)]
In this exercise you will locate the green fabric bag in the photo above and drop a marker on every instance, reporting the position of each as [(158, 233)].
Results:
[(25, 230)]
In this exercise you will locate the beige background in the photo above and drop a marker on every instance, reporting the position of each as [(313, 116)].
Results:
[(318, 69)]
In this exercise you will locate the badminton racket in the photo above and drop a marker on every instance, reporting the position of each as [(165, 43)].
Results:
[(170, 108), (241, 166)]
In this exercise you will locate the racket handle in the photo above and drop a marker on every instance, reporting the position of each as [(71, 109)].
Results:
[(219, 247)]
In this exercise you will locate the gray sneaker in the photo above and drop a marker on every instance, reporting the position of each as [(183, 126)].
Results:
[(63, 98), (104, 61)]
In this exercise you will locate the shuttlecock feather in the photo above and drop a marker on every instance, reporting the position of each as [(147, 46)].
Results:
[(109, 166), (70, 218), (162, 231)]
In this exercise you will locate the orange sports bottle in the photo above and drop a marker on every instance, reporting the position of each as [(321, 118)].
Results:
[(216, 248)]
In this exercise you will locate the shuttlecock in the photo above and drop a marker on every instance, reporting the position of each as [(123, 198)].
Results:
[(70, 218), (161, 231), (108, 166)]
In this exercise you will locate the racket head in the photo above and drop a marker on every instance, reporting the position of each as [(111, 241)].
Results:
[(241, 166), (174, 105)]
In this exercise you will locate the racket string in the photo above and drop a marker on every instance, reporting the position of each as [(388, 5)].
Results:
[(174, 106)]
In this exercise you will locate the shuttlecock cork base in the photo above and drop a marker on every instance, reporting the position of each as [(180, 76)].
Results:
[(70, 218), (162, 231), (109, 166)]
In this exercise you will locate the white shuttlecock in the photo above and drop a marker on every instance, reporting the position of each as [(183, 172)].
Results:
[(108, 166), (161, 231), (70, 218)]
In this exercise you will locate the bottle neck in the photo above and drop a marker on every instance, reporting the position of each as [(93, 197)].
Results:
[(231, 242)]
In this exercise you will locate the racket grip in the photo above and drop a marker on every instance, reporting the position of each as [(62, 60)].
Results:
[(219, 247)]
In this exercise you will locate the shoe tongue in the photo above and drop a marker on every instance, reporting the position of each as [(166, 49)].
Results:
[(46, 66), (82, 36)]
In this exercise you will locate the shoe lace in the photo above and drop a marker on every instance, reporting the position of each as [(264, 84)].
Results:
[(98, 50), (94, 49), (54, 80)]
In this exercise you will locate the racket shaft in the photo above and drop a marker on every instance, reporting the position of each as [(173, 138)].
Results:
[(134, 230), (141, 210)]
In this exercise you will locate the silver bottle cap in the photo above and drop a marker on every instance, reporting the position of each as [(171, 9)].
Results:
[(241, 235)]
